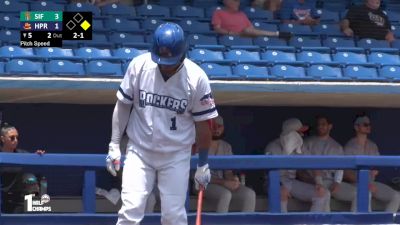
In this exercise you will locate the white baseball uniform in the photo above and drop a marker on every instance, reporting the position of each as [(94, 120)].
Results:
[(384, 193), (298, 189), (161, 132), (315, 145)]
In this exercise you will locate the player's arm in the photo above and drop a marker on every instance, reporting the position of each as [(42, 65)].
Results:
[(203, 141)]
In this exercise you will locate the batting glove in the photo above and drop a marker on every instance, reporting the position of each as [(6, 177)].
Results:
[(113, 159), (202, 176)]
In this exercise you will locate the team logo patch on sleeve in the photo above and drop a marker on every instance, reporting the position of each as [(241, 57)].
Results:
[(207, 99)]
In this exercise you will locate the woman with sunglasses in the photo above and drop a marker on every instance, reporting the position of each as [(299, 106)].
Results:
[(15, 182), (362, 145)]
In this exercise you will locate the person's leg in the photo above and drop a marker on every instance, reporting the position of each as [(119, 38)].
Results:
[(173, 184), (246, 197), (346, 192), (151, 202), (137, 183), (306, 192), (387, 194), (218, 196)]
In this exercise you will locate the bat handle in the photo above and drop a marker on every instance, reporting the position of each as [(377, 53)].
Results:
[(199, 205)]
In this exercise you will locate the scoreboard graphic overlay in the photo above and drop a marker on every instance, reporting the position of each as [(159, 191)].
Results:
[(50, 28)]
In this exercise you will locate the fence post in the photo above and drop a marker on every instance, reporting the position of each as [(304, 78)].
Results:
[(362, 191), (274, 195), (89, 192)]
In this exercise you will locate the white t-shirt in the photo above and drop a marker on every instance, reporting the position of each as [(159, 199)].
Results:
[(164, 112)]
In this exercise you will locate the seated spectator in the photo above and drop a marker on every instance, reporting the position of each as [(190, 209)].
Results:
[(323, 144), (290, 142), (270, 5), (231, 21), (367, 21), (299, 12), (362, 145), (15, 182), (225, 187)]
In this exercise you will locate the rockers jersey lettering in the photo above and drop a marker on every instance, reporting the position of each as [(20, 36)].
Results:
[(164, 112)]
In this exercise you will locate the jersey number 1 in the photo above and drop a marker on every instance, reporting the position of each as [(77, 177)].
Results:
[(173, 121)]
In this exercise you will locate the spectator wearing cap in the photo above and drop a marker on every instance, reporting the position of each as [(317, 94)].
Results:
[(225, 188), (367, 21), (15, 182), (230, 20), (323, 144), (290, 142), (362, 145), (299, 12)]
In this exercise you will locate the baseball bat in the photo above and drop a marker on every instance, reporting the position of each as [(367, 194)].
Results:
[(199, 205)]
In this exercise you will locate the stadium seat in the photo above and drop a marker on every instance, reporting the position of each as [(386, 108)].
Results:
[(334, 42), (327, 29), (393, 16), (257, 13), (295, 28), (205, 55), (118, 10), (2, 69), (9, 6), (325, 72), (150, 24), (265, 26), (16, 52), (195, 27), (187, 11), (64, 67), (384, 58), (275, 56), (204, 41), (368, 43), (251, 72), (264, 42), (237, 41), (362, 73), (10, 36), (92, 53), (209, 11), (349, 58), (313, 57), (54, 53), (83, 7), (46, 6), (242, 56), (103, 68), (129, 40), (152, 10), (299, 42), (396, 44), (171, 3), (9, 22), (327, 16), (390, 72), (334, 6), (99, 40), (98, 25), (127, 53), (205, 3), (23, 66), (218, 72), (289, 72), (122, 24)]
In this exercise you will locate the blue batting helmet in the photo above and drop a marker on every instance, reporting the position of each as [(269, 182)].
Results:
[(169, 44)]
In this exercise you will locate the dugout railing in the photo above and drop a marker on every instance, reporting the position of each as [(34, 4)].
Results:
[(272, 164)]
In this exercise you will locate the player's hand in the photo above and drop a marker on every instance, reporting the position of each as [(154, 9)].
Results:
[(285, 35), (334, 187), (40, 152), (113, 159), (390, 37), (285, 194), (202, 176), (319, 190), (348, 32), (372, 188)]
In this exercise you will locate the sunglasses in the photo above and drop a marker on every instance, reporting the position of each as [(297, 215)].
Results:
[(13, 138)]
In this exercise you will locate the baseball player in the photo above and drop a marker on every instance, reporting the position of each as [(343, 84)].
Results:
[(290, 143), (165, 101), (324, 144), (225, 188), (361, 145)]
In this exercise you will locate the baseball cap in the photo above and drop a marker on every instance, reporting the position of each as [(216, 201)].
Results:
[(362, 120), (219, 120), (293, 124)]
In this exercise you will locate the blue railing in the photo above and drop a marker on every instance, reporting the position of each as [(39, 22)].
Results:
[(272, 165)]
